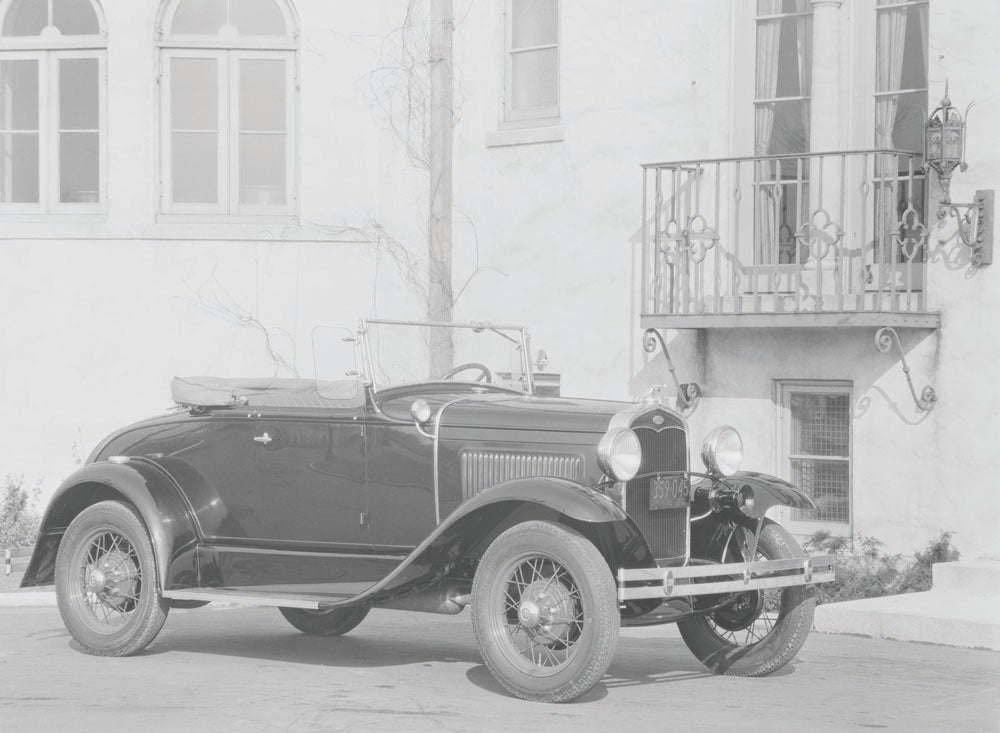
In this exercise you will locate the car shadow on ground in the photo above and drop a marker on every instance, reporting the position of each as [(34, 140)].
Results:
[(637, 661)]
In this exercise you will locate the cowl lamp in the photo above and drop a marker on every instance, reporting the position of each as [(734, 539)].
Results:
[(944, 151)]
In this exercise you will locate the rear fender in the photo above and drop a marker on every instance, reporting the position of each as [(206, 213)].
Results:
[(150, 490)]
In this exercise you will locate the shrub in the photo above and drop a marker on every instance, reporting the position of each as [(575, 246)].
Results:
[(18, 522), (917, 575), (864, 570)]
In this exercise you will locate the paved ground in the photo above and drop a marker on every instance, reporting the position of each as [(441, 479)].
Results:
[(241, 669)]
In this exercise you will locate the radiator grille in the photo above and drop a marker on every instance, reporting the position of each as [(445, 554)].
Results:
[(665, 530), (482, 469)]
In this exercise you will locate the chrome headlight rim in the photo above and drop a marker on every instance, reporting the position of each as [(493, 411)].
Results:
[(619, 454), (722, 451)]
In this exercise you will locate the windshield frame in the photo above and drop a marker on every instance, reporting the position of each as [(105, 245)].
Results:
[(508, 331)]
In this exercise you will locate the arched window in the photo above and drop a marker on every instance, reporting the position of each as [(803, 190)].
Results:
[(228, 80), (52, 109)]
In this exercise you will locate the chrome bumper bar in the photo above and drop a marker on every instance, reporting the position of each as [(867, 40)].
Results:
[(689, 580)]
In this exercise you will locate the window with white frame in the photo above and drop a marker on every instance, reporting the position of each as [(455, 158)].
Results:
[(816, 446), (901, 103), (228, 100), (52, 106), (531, 61)]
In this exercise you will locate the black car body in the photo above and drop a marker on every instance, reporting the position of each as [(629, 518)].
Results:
[(329, 498)]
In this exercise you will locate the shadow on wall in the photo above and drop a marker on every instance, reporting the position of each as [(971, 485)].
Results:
[(743, 363)]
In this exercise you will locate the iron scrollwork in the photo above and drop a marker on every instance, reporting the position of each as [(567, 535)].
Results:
[(883, 342), (974, 227), (820, 234), (689, 393)]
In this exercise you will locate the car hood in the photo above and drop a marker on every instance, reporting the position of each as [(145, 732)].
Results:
[(509, 411)]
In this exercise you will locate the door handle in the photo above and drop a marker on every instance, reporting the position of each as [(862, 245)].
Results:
[(265, 438)]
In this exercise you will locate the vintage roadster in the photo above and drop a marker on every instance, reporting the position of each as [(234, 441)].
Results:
[(556, 520)]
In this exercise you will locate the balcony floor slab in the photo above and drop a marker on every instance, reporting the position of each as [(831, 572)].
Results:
[(801, 319)]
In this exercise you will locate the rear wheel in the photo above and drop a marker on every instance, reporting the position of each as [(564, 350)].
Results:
[(106, 581), (331, 622), (545, 612), (760, 631)]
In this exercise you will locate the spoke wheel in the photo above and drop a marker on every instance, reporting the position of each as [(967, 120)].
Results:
[(759, 631), (106, 581), (545, 612), (331, 622)]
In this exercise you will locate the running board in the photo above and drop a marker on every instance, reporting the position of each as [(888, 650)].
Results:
[(255, 598)]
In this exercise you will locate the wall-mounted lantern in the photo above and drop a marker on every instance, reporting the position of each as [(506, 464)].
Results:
[(944, 151)]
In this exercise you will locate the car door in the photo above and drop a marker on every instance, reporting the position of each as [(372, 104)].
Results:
[(311, 474), (293, 488)]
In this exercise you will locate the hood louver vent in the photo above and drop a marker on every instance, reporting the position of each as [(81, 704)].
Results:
[(482, 469)]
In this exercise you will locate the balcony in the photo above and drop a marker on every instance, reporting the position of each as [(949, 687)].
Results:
[(798, 240)]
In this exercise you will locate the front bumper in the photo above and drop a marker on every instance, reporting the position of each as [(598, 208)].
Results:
[(690, 580)]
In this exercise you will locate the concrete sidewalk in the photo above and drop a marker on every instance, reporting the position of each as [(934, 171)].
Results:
[(46, 596), (962, 609)]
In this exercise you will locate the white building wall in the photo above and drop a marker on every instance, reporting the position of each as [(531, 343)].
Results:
[(101, 312), (645, 82)]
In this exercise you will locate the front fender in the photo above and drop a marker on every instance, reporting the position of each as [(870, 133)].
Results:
[(144, 485), (466, 532), (768, 491)]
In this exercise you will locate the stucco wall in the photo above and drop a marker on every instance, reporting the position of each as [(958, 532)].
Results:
[(100, 312)]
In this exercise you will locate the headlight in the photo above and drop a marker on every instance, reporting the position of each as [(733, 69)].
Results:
[(722, 451), (619, 454)]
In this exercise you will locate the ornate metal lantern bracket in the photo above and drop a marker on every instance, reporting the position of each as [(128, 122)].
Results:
[(883, 342), (975, 226), (944, 151), (688, 394)]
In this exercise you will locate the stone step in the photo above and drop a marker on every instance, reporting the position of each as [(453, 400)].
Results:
[(962, 609), (978, 577)]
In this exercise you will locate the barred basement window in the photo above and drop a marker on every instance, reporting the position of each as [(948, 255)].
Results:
[(228, 83), (52, 106), (816, 423)]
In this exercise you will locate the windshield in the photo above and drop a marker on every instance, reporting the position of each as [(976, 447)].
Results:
[(400, 352)]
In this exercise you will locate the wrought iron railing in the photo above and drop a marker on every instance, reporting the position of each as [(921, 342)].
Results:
[(797, 233)]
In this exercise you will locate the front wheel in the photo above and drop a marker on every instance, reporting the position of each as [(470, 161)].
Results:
[(106, 581), (545, 612), (759, 631)]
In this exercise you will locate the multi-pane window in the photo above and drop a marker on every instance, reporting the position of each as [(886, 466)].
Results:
[(531, 93), (228, 80), (816, 422), (900, 110), (52, 111), (781, 124)]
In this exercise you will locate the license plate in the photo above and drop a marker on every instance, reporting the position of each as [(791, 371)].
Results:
[(668, 492)]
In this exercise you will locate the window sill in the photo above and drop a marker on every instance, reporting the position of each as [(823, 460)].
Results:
[(525, 136), (97, 229)]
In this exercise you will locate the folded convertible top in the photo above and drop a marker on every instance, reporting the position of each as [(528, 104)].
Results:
[(266, 392)]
